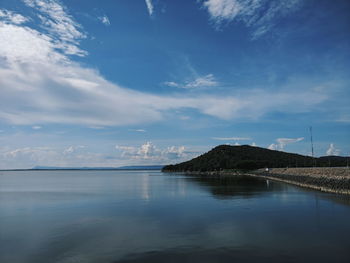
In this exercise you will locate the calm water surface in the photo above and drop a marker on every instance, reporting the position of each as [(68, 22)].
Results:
[(148, 216)]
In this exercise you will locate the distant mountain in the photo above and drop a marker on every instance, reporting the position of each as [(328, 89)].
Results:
[(136, 167), (142, 167), (250, 157), (72, 168)]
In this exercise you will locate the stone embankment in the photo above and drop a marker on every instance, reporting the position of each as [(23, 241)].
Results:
[(334, 179)]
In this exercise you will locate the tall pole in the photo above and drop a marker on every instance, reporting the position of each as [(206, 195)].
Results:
[(312, 147)]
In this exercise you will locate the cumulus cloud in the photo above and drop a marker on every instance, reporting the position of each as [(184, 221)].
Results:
[(40, 83), (332, 150), (149, 152), (105, 20), (259, 15), (145, 151), (282, 142), (150, 7), (273, 146)]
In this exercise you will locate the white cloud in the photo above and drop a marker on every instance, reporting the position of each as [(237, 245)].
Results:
[(72, 149), (11, 17), (273, 146), (149, 152), (174, 152), (172, 84), (97, 127), (36, 127), (332, 150), (198, 82), (145, 151), (205, 81), (282, 142), (150, 7), (254, 144), (256, 14), (137, 130), (28, 157), (232, 138), (79, 156), (105, 20), (223, 9), (26, 150), (345, 118), (39, 83), (60, 26)]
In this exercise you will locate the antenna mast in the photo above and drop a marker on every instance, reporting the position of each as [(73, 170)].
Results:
[(312, 144)]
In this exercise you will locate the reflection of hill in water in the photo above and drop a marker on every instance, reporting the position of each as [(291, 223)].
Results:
[(246, 186), (242, 186)]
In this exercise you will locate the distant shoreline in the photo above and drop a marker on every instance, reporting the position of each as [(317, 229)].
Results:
[(82, 169)]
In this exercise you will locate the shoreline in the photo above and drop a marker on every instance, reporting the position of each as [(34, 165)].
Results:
[(325, 179)]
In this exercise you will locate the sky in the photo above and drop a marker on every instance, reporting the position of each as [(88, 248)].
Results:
[(143, 82)]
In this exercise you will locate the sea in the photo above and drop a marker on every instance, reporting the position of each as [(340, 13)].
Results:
[(149, 216)]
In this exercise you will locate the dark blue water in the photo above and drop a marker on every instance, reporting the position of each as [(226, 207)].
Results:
[(142, 216)]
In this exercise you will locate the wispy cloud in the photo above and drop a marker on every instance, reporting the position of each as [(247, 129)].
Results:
[(332, 150), (36, 127), (150, 7), (97, 127), (72, 149), (282, 142), (259, 15), (11, 17), (205, 81), (42, 84), (137, 130), (345, 118), (60, 26), (199, 82), (105, 20), (232, 138)]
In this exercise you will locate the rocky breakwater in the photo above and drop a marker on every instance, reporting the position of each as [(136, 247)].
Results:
[(332, 179)]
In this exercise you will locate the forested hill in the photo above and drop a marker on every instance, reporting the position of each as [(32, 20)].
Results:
[(250, 157)]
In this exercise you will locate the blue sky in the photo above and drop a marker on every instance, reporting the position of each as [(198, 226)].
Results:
[(120, 82)]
